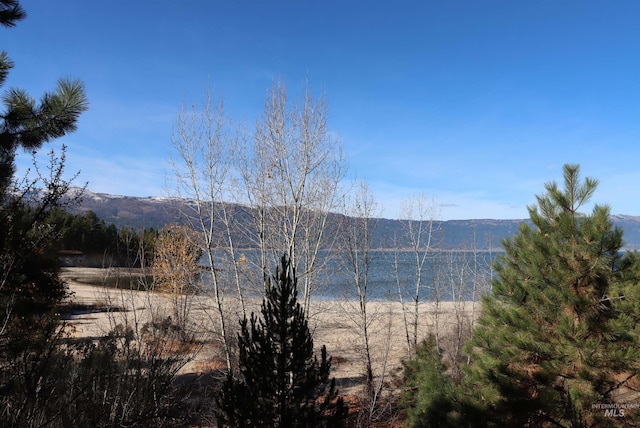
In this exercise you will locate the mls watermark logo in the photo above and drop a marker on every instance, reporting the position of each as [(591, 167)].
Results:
[(615, 410)]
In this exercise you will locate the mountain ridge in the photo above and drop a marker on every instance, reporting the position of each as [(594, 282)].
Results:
[(478, 234)]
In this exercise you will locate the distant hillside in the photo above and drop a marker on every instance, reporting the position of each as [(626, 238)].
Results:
[(131, 211), (138, 213)]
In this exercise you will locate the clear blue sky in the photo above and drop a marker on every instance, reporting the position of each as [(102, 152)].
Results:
[(474, 103)]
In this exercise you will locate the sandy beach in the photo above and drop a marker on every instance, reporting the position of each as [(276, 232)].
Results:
[(335, 324)]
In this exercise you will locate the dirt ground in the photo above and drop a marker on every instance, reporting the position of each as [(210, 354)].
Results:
[(334, 323)]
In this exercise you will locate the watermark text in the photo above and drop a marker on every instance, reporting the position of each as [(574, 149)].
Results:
[(615, 410)]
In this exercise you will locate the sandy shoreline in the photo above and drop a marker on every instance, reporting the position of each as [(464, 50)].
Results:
[(334, 323)]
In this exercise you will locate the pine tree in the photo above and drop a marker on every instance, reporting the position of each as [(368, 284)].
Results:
[(281, 382), (24, 239), (10, 12), (28, 124), (428, 394), (558, 333), (28, 265)]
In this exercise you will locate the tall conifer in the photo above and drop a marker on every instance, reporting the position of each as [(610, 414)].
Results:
[(281, 382), (558, 333), (28, 264)]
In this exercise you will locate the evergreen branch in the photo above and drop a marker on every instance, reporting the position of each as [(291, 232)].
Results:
[(5, 65), (29, 125), (10, 12)]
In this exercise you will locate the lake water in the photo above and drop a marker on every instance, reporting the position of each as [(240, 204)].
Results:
[(445, 276)]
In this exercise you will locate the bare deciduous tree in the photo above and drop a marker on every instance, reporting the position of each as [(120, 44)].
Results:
[(373, 327), (462, 276), (204, 143), (288, 175), (421, 228), (291, 173), (358, 257)]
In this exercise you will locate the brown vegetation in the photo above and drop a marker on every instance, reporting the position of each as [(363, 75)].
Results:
[(331, 321)]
